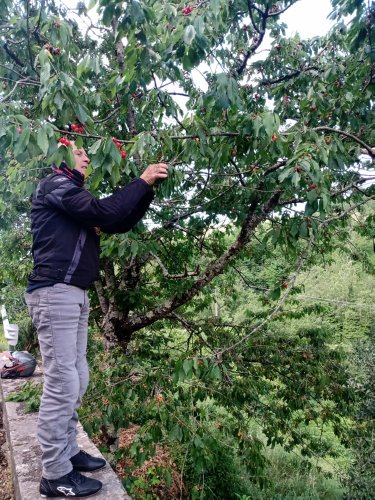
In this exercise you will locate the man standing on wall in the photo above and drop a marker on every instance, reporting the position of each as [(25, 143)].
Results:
[(65, 221)]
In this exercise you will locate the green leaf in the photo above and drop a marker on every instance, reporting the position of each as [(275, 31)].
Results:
[(94, 147), (176, 433), (70, 158), (187, 366), (215, 6), (199, 25), (312, 195), (275, 293), (59, 101), (285, 173), (2, 127), (189, 34), (295, 179), (303, 231), (198, 443), (42, 140), (269, 123), (45, 73), (134, 247), (22, 142), (82, 115)]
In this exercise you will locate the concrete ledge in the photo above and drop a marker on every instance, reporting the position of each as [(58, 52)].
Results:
[(25, 452)]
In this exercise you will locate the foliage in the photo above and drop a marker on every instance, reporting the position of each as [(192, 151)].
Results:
[(270, 156), (288, 388), (28, 392), (253, 139), (361, 480)]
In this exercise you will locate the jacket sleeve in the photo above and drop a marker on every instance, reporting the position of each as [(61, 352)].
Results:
[(123, 209), (132, 219)]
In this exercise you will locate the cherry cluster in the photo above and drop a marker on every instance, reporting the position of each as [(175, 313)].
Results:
[(55, 51), (64, 141), (77, 127), (117, 143), (187, 10)]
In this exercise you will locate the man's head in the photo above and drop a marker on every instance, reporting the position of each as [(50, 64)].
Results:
[(82, 160), (80, 156)]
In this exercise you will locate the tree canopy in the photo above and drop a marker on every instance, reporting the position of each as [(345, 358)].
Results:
[(270, 140), (282, 135)]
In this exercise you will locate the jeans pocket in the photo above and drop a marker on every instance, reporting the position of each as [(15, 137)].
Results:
[(32, 299)]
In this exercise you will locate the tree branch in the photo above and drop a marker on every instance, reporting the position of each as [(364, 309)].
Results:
[(166, 273), (257, 41), (12, 55), (101, 297), (240, 178), (285, 78), (371, 151), (254, 218), (276, 309)]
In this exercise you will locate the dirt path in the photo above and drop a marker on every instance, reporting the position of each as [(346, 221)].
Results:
[(6, 487)]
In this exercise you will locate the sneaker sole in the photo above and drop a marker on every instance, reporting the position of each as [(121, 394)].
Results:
[(64, 496)]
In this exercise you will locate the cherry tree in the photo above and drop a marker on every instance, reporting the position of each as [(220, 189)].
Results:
[(269, 144)]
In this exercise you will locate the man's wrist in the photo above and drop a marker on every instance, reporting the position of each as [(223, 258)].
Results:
[(148, 182)]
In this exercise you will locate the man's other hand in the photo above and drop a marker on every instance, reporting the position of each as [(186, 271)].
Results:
[(155, 172)]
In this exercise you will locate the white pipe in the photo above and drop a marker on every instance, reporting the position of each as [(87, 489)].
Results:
[(5, 318), (10, 330)]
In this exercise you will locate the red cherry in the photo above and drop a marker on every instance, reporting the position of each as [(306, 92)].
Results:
[(115, 141), (65, 141), (123, 154), (274, 138), (284, 285), (313, 185), (19, 130), (73, 126)]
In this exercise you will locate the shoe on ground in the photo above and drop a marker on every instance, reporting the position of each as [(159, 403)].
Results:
[(83, 462), (73, 484)]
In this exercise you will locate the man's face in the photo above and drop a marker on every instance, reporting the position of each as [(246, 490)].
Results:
[(82, 160)]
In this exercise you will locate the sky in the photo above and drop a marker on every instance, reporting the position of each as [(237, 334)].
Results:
[(308, 17)]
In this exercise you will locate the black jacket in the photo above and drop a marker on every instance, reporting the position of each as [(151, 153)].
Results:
[(64, 216)]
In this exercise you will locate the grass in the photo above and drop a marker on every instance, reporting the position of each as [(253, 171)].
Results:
[(289, 478), (3, 341)]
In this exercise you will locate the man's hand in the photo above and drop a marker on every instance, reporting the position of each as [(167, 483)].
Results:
[(155, 172)]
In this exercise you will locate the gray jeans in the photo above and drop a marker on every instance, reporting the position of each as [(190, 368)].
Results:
[(60, 315)]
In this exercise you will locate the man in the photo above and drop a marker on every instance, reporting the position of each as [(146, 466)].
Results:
[(66, 220)]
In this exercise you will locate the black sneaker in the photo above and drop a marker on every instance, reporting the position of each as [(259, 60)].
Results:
[(83, 462), (73, 484)]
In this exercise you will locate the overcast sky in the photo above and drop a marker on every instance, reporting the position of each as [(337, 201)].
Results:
[(308, 17)]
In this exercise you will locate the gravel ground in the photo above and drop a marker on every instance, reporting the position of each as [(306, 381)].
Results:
[(6, 487)]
